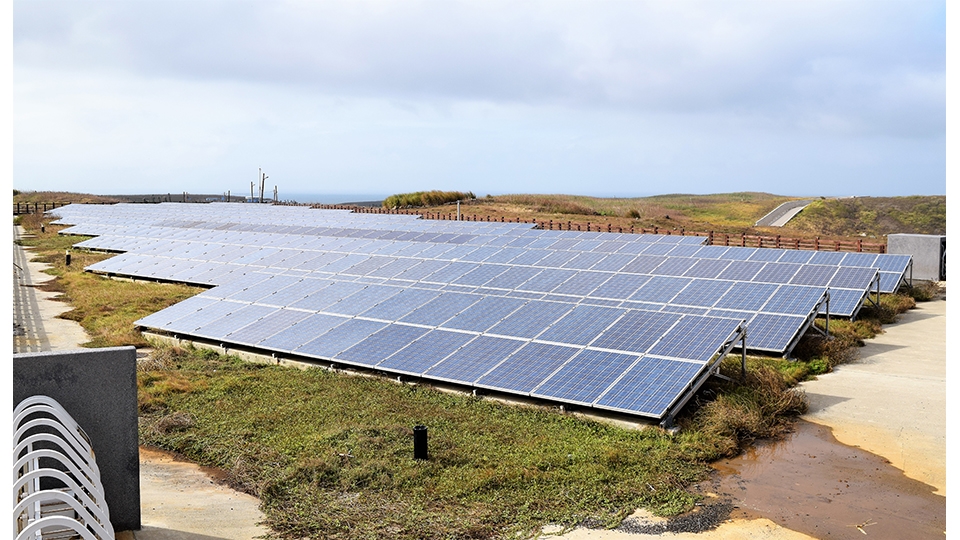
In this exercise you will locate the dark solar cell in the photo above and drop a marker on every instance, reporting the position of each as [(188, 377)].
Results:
[(650, 387), (703, 292), (233, 321), (340, 338), (426, 351), (777, 273), (363, 300), (582, 325), (440, 309), (695, 338), (827, 257), (584, 260), (814, 274), (301, 332), (513, 277), (474, 359), (581, 283), (620, 286), (660, 289), (378, 346), (741, 270), (636, 331), (547, 280), (860, 259), (772, 332), (853, 278), (482, 315), (269, 325), (795, 256), (327, 296), (707, 268), (531, 319), (586, 376), (481, 275), (613, 262), (746, 296), (527, 368), (643, 264)]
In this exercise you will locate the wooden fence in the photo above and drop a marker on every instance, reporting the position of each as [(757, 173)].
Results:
[(714, 239)]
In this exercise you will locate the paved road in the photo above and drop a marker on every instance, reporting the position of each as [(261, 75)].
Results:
[(782, 214), (29, 334)]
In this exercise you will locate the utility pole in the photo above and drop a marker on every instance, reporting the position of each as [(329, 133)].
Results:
[(263, 180), (275, 200)]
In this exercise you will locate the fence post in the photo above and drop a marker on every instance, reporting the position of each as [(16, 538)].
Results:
[(860, 245), (778, 241)]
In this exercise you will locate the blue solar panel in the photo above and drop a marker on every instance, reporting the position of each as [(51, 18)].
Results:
[(711, 252), (525, 369), (772, 332), (636, 331), (643, 264), (440, 309), (658, 249), (620, 286), (795, 256), (582, 379), (581, 325), (795, 300), (767, 255), (481, 275), (450, 273), (271, 324), (401, 304), (893, 263), (426, 351), (531, 319), (844, 302), (529, 257), (327, 296), (703, 292), (504, 255), (474, 359), (660, 289), (853, 278), (340, 338), (394, 268), (613, 262), (582, 283), (233, 321), (890, 281), (674, 266), (610, 246), (204, 315), (860, 259), (777, 273), (378, 346), (302, 332), (747, 296), (422, 270), (263, 288), (741, 270), (827, 257), (547, 280), (166, 316), (695, 338), (707, 268), (584, 260), (513, 277), (814, 274), (487, 312), (363, 300), (557, 259), (650, 386)]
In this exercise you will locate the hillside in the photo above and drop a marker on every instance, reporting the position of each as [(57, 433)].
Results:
[(873, 216)]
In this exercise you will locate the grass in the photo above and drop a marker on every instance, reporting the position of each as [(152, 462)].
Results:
[(426, 198), (330, 455), (874, 216)]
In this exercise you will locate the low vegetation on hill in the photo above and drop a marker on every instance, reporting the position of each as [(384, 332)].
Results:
[(330, 455), (59, 197), (426, 198), (873, 216)]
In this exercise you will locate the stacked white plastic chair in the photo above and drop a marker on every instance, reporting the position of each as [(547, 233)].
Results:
[(44, 435)]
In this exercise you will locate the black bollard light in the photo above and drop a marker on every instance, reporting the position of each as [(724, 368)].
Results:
[(68, 258), (43, 227), (420, 442)]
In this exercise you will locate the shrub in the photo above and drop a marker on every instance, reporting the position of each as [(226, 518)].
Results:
[(426, 198)]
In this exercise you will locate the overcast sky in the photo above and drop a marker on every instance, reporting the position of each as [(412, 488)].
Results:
[(624, 98)]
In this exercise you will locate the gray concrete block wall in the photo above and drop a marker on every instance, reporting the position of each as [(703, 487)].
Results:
[(98, 387), (928, 251)]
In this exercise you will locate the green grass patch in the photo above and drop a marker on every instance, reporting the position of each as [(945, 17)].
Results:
[(331, 455), (426, 198)]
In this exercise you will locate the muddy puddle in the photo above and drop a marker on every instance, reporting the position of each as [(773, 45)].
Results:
[(812, 484)]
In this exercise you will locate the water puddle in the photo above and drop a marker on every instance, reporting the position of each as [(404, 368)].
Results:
[(812, 484)]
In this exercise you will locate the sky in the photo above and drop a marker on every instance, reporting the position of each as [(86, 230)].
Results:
[(603, 98)]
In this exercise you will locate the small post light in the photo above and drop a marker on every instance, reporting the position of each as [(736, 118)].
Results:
[(420, 442)]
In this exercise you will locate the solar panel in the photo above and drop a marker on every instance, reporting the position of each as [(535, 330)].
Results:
[(531, 319), (585, 377), (270, 324), (438, 310), (474, 359), (547, 280), (340, 338), (620, 286), (487, 312), (693, 338), (747, 296), (636, 331), (581, 325), (525, 369), (582, 283), (224, 326), (378, 346), (660, 289), (363, 300), (703, 293), (425, 352), (661, 380), (301, 332)]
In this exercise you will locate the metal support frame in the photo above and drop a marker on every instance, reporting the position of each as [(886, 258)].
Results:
[(739, 334)]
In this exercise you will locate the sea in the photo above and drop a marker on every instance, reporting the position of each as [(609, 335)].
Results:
[(336, 198)]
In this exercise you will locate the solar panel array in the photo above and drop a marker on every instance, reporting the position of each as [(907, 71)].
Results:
[(618, 321)]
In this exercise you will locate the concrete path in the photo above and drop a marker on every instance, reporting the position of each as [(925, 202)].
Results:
[(36, 327), (782, 214), (892, 401)]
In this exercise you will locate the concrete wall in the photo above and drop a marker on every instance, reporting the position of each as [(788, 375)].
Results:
[(928, 252), (98, 387)]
